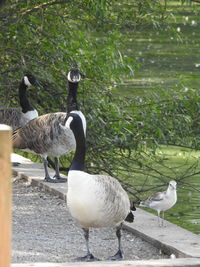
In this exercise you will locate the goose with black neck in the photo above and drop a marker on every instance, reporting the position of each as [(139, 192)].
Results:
[(94, 200), (47, 136), (17, 117)]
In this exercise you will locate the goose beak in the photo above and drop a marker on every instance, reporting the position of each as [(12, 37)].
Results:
[(37, 84)]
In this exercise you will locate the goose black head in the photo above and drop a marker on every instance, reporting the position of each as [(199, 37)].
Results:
[(74, 76), (73, 121), (30, 80)]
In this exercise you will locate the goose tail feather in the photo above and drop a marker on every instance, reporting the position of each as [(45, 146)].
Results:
[(130, 217)]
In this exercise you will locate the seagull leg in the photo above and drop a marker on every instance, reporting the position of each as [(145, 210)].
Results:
[(119, 255), (159, 223), (163, 219), (58, 177), (88, 256)]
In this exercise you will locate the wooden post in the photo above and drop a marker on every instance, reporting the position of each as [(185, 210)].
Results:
[(5, 195)]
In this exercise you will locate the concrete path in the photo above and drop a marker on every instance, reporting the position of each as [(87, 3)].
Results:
[(171, 239)]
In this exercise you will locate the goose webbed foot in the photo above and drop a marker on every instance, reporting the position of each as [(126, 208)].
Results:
[(60, 179), (15, 164), (118, 256), (57, 180), (88, 257)]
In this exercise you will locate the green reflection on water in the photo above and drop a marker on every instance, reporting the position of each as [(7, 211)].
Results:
[(167, 61)]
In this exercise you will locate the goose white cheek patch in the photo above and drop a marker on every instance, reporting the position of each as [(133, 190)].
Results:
[(73, 81), (68, 122), (26, 81)]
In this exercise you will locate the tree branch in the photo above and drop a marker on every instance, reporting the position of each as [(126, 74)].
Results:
[(43, 5)]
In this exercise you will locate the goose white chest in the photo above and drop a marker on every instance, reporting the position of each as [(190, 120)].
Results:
[(93, 201), (28, 116), (82, 198)]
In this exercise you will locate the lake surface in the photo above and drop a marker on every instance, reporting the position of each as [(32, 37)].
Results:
[(171, 60)]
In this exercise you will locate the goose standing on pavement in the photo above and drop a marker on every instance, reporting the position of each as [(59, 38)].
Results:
[(17, 117), (94, 200), (47, 136), (162, 201)]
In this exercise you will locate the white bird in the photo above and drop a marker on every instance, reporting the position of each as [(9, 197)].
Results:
[(17, 117), (162, 201), (94, 200), (47, 136)]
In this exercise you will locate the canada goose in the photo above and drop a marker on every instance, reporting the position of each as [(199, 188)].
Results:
[(94, 200), (46, 135), (17, 117), (162, 201)]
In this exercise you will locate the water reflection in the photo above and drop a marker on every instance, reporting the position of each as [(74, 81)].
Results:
[(170, 61)]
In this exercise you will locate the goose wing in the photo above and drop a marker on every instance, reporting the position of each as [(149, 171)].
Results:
[(115, 197), (37, 134)]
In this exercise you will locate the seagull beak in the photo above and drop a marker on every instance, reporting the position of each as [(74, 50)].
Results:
[(173, 186)]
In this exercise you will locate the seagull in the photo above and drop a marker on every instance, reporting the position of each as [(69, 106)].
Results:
[(162, 201)]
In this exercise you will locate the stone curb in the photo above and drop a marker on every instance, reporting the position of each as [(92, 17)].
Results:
[(184, 262)]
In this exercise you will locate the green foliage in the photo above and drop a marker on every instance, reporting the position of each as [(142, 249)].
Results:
[(50, 37), (172, 119), (47, 39)]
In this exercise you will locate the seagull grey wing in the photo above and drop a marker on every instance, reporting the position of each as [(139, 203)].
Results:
[(11, 117), (157, 196)]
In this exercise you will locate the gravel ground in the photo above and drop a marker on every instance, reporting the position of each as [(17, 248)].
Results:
[(43, 231)]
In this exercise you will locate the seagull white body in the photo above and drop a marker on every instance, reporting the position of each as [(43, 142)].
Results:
[(162, 201), (94, 200)]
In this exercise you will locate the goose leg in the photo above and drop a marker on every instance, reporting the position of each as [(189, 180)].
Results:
[(47, 176), (59, 179), (88, 256), (119, 255)]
